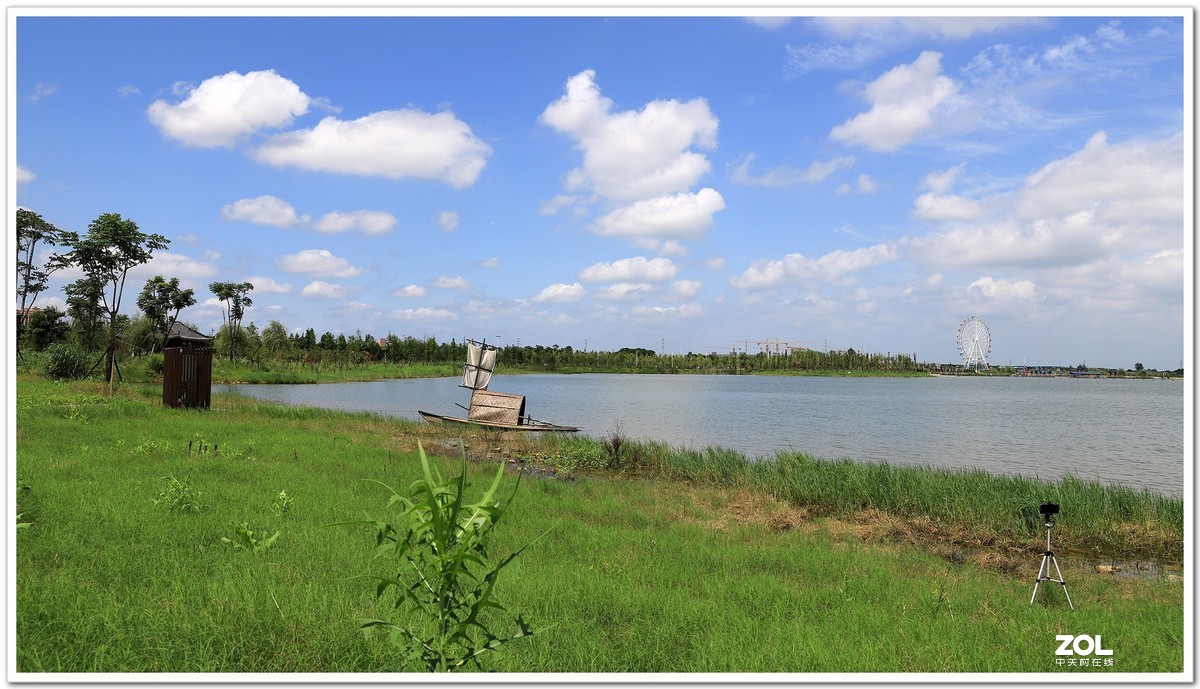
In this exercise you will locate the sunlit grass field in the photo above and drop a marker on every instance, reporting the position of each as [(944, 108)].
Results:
[(657, 560)]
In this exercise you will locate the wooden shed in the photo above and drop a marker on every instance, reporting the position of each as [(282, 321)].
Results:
[(187, 368)]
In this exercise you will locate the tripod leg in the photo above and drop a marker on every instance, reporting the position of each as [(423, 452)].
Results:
[(1062, 581), (1039, 579)]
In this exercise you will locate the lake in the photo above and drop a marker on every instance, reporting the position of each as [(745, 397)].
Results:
[(1128, 432)]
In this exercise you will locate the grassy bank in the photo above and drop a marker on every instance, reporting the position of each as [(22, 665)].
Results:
[(657, 560)]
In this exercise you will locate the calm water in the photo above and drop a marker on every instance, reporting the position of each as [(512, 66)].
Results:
[(1116, 431)]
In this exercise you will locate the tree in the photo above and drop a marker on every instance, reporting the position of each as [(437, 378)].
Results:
[(31, 280), (275, 339), (235, 296), (1138, 367), (111, 247), (162, 300), (46, 327), (86, 312)]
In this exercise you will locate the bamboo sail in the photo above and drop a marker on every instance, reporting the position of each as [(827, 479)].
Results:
[(489, 408)]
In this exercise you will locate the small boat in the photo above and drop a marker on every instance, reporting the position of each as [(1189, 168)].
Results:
[(490, 409)]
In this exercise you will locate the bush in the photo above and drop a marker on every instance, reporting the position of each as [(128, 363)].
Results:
[(154, 364), (64, 361)]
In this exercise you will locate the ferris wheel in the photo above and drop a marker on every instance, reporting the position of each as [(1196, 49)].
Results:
[(974, 343)]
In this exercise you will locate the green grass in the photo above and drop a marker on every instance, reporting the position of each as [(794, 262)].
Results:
[(687, 563)]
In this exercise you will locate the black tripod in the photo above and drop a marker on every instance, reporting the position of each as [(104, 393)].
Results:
[(1048, 511)]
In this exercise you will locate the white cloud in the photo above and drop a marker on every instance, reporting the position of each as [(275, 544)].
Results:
[(715, 263), (1137, 182), (769, 23), (318, 263), (266, 284), (24, 176), (424, 313), (452, 282), (409, 291), (681, 311), (624, 291), (1098, 202), (128, 90), (684, 289), (172, 265), (636, 269), (489, 263), (367, 221), (556, 204), (560, 293), (324, 290), (42, 90), (785, 175), (946, 207), (940, 182), (448, 220), (632, 154), (799, 268), (1002, 289), (393, 143), (678, 216), (865, 184), (945, 28), (263, 210), (225, 109), (903, 101)]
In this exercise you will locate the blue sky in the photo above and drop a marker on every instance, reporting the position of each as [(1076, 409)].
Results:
[(687, 183)]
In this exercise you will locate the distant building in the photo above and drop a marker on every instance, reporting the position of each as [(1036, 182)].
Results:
[(184, 335)]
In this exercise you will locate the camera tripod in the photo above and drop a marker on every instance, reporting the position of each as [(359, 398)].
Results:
[(1044, 570)]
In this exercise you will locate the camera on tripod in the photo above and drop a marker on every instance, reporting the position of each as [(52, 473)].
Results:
[(1048, 511)]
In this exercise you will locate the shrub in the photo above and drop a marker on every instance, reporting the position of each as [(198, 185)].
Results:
[(66, 362)]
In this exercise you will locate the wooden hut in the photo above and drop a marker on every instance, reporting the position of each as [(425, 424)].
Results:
[(187, 367)]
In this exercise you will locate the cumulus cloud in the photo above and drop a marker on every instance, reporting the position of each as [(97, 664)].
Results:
[(946, 207), (266, 284), (560, 293), (1002, 288), (786, 176), (678, 216), (452, 282), (224, 110), (556, 204), (409, 291), (448, 220), (369, 222), (174, 265), (624, 291), (24, 176), (684, 289), (318, 263), (636, 269), (424, 313), (324, 290), (833, 266), (393, 143), (1100, 201), (681, 311), (632, 154), (263, 210), (903, 102)]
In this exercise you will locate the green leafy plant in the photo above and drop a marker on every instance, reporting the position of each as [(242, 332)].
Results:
[(179, 496), (282, 504), (245, 538), (444, 575)]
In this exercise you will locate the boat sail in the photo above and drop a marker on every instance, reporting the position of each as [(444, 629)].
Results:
[(489, 408)]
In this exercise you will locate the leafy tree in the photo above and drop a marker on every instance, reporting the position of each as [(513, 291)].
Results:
[(162, 300), (47, 327), (1138, 367), (111, 247), (32, 280), (236, 298), (86, 312), (275, 339)]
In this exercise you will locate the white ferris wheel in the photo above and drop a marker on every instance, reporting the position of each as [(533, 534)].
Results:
[(974, 343)]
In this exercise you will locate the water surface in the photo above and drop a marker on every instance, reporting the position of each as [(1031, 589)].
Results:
[(1128, 432)]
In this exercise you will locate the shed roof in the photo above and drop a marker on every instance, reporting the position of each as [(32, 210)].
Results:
[(186, 333)]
